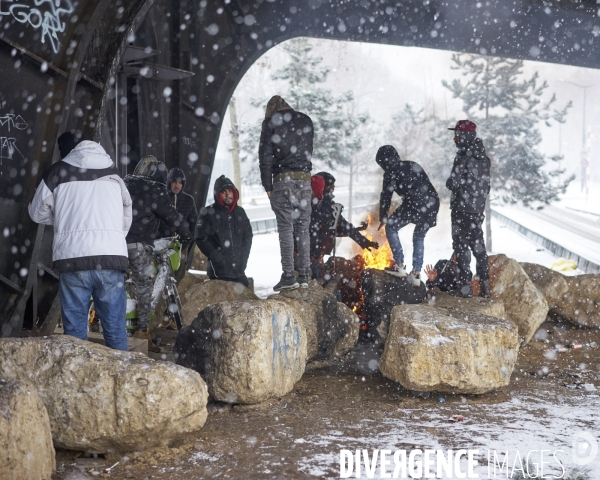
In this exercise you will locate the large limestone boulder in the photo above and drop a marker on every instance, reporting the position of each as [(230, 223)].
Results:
[(458, 306), (324, 320), (382, 292), (188, 281), (432, 349), (208, 292), (248, 351), (102, 400), (524, 303), (575, 298), (26, 451)]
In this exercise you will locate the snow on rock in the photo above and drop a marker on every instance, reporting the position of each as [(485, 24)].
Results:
[(26, 450), (436, 349), (524, 303), (576, 298), (102, 400), (486, 306), (247, 352), (325, 322), (382, 292), (201, 295)]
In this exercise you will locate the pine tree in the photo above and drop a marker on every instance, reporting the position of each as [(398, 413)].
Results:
[(338, 133), (508, 108)]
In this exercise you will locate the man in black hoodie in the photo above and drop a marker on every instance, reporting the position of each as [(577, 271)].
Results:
[(469, 183), (284, 153), (186, 207), (420, 205), (151, 205), (224, 234)]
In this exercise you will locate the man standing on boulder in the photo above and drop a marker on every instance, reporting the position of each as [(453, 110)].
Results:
[(420, 205), (224, 234), (86, 201), (469, 183), (285, 153)]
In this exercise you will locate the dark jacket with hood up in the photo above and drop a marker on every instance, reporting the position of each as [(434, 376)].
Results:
[(183, 202), (322, 238), (286, 145), (151, 205), (469, 180), (420, 201), (224, 235)]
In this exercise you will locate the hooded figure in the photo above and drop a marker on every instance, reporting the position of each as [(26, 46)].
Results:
[(183, 202), (151, 206), (420, 205), (469, 183), (224, 234), (322, 236), (284, 156)]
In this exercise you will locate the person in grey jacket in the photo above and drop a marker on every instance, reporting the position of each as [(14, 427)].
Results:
[(469, 183), (86, 201), (285, 153)]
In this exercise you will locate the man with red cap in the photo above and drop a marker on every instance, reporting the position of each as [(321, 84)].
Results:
[(469, 183)]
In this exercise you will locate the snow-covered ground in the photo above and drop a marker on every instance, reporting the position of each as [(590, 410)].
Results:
[(264, 264)]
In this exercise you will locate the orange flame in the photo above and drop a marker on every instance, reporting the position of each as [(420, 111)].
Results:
[(381, 257)]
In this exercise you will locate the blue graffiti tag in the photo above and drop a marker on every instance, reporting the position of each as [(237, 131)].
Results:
[(281, 348), (49, 20)]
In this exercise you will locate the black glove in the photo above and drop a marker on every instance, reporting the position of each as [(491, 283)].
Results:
[(370, 244)]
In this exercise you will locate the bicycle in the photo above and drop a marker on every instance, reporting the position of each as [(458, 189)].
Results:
[(166, 259)]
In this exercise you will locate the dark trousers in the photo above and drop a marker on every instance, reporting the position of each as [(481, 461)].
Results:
[(243, 279), (140, 264), (468, 234)]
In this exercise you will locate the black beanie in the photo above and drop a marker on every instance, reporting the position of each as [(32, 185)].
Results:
[(68, 141)]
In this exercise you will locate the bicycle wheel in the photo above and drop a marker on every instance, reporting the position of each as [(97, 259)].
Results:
[(174, 307)]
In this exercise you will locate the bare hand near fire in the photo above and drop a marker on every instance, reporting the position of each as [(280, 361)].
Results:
[(363, 226), (431, 273), (269, 194)]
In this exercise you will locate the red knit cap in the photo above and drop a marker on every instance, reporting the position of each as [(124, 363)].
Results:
[(318, 185)]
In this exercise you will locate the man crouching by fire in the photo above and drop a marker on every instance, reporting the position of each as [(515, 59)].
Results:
[(327, 223)]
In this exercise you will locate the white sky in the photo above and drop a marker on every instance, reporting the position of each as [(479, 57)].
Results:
[(384, 78)]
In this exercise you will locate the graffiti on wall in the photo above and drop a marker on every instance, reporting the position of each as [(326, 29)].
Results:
[(45, 15), (10, 122)]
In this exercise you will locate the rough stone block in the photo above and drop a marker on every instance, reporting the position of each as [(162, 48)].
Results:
[(248, 352), (103, 400), (432, 349), (524, 303), (26, 450)]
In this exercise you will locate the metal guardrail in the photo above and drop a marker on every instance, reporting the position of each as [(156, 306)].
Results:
[(268, 225), (558, 250)]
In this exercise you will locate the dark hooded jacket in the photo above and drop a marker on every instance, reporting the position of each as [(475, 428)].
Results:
[(322, 237), (150, 206), (448, 276), (420, 201), (224, 235), (286, 145), (469, 180), (183, 202)]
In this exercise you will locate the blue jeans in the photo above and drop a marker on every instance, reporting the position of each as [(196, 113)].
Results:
[(391, 232), (107, 288)]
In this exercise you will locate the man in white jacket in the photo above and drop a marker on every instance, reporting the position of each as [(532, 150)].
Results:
[(85, 199)]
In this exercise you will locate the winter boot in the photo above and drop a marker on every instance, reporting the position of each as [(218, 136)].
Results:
[(396, 270), (484, 289), (466, 291), (287, 282), (146, 335), (303, 281)]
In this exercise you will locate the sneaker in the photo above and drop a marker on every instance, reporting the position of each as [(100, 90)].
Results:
[(484, 289), (303, 281), (396, 270), (287, 282), (415, 279), (466, 291)]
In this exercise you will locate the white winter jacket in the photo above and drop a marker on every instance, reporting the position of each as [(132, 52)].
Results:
[(85, 199)]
